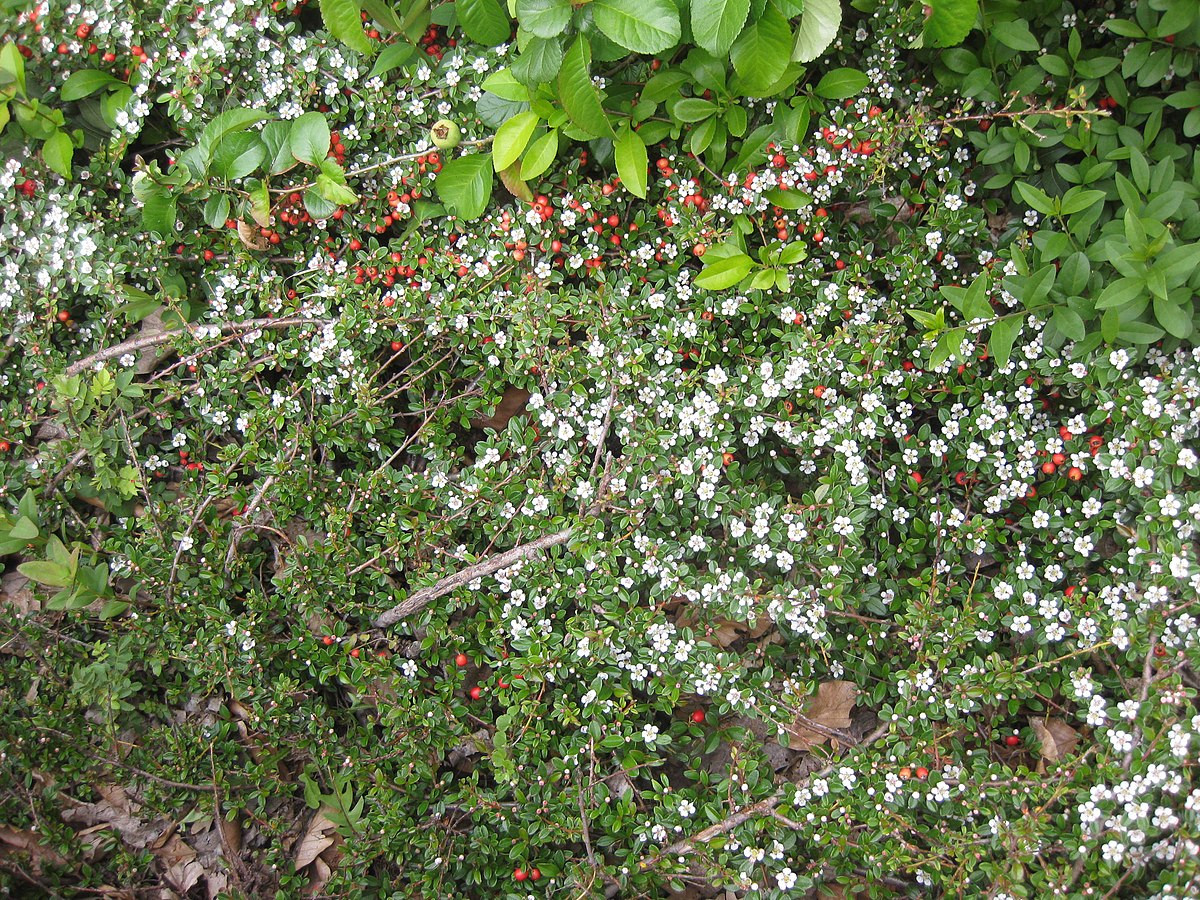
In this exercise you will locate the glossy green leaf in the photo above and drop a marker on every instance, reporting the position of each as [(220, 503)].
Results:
[(309, 138), (464, 185), (632, 161), (764, 49), (817, 29), (725, 273), (343, 20), (838, 84), (640, 26), (540, 155), (512, 138), (948, 21), (717, 23), (57, 151), (484, 21), (86, 82), (544, 18), (577, 93)]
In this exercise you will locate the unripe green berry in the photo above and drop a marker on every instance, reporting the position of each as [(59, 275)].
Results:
[(445, 134)]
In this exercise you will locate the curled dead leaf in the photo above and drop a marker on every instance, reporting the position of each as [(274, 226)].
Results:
[(828, 710), (1056, 738), (251, 237), (320, 835)]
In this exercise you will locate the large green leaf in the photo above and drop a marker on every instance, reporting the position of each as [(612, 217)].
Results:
[(817, 29), (717, 23), (158, 212), (309, 138), (86, 82), (539, 62), (725, 273), (540, 155), (762, 52), (238, 119), (512, 138), (641, 26), (43, 571), (57, 152), (238, 155), (343, 19), (1176, 318), (948, 21), (632, 161), (277, 138), (544, 18), (577, 93), (394, 55), (483, 21), (464, 185), (838, 84)]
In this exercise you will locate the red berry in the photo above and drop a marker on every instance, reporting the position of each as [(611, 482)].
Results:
[(535, 874), (1012, 740), (461, 660), (698, 716), (922, 772), (476, 692), (354, 653), (520, 874), (4, 446), (327, 640)]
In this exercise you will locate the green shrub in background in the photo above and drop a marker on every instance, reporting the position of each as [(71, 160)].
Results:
[(599, 450)]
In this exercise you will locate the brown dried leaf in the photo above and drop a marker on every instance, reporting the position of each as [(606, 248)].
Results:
[(19, 842), (16, 593), (511, 178), (1056, 737), (251, 237), (315, 840), (512, 403), (829, 709)]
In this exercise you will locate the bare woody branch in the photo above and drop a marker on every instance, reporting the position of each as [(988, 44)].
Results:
[(754, 811), (133, 345)]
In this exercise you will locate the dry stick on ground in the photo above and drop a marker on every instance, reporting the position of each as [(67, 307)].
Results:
[(419, 599), (153, 340), (762, 807)]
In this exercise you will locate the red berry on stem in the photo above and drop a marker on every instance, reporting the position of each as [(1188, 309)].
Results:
[(520, 874), (461, 660), (698, 716)]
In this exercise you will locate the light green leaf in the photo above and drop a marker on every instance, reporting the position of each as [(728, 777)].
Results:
[(24, 529), (1035, 197), (692, 109), (540, 155), (57, 152), (334, 192), (484, 21), (838, 84), (725, 273), (632, 161), (717, 23), (544, 18), (228, 122), (949, 21), (381, 11), (238, 155), (343, 19), (512, 138), (158, 213), (641, 26), (309, 138), (1121, 292), (464, 185), (817, 29), (504, 84), (577, 93), (762, 52), (45, 572), (1016, 35)]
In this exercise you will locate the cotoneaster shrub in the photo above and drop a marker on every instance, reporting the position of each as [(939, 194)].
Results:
[(807, 424)]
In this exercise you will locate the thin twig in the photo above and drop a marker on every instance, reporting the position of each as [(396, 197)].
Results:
[(767, 806), (153, 340)]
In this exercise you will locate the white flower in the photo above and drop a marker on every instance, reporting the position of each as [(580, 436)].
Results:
[(649, 734), (786, 879)]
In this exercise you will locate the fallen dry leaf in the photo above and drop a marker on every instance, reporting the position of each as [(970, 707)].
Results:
[(16, 593), (512, 403), (316, 839), (828, 709), (1056, 737), (21, 842)]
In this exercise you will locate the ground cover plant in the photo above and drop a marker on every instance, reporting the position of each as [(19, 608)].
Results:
[(608, 449)]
